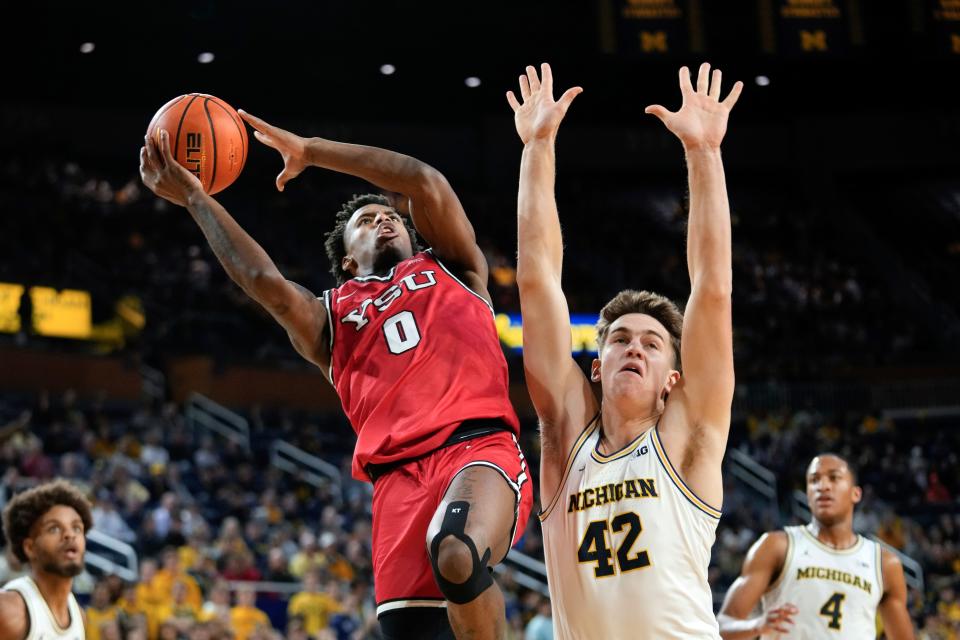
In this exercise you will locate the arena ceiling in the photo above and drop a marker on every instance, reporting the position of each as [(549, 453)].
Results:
[(325, 57)]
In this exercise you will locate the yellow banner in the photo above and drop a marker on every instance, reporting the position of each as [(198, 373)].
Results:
[(10, 306), (583, 331), (63, 314)]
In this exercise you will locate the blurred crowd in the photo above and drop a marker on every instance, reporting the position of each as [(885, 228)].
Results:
[(807, 297), (231, 546), (228, 546)]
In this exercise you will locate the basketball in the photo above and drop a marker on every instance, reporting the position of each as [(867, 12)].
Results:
[(206, 136)]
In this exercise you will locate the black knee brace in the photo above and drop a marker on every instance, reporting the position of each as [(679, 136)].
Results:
[(454, 523)]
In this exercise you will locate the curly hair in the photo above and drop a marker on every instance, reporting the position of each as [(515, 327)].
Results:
[(333, 240), (24, 509), (660, 308)]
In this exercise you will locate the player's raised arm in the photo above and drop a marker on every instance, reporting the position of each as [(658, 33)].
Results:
[(893, 605), (558, 388), (761, 567), (707, 347), (435, 209), (245, 261)]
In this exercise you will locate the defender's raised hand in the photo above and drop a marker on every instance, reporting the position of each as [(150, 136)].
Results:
[(702, 118), (291, 146), (539, 115)]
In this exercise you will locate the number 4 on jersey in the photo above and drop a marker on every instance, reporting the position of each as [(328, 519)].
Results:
[(594, 547), (831, 609)]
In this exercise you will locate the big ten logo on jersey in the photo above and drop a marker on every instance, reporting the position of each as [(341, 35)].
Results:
[(412, 282), (194, 153)]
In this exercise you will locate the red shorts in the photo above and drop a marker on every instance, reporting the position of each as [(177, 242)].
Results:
[(404, 502)]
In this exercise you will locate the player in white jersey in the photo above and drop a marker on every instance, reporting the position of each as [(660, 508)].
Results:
[(46, 527), (630, 484), (819, 580)]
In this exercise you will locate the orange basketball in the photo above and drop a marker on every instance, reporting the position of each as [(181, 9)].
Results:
[(206, 136)]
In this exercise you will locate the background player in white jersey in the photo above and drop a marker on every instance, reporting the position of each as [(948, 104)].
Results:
[(820, 580), (47, 528), (627, 481)]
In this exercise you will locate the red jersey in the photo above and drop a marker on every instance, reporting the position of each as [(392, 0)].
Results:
[(412, 355)]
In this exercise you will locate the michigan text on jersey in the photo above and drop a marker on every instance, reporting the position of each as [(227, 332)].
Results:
[(824, 573), (598, 496)]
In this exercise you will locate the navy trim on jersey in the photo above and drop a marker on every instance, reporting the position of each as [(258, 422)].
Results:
[(678, 482), (861, 540), (879, 565), (621, 453), (571, 457)]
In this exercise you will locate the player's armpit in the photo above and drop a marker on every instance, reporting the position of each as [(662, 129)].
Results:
[(299, 312)]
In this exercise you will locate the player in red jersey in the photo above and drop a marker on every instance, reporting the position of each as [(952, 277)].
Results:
[(409, 342)]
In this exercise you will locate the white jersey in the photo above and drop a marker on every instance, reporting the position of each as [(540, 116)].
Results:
[(627, 546), (836, 591), (43, 624)]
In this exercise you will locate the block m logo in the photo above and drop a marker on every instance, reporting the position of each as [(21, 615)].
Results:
[(653, 41), (813, 40)]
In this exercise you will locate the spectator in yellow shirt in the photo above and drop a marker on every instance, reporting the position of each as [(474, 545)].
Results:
[(217, 607), (309, 558), (245, 617), (150, 597), (183, 609), (132, 614), (337, 565), (173, 573), (230, 539), (99, 611), (312, 606)]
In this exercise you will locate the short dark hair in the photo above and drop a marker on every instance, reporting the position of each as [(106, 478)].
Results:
[(660, 308), (853, 469), (333, 239), (24, 509)]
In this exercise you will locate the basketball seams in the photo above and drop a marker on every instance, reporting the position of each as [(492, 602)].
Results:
[(236, 121), (159, 115), (213, 137), (183, 116)]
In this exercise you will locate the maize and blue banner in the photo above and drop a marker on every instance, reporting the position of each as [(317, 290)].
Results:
[(582, 329)]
